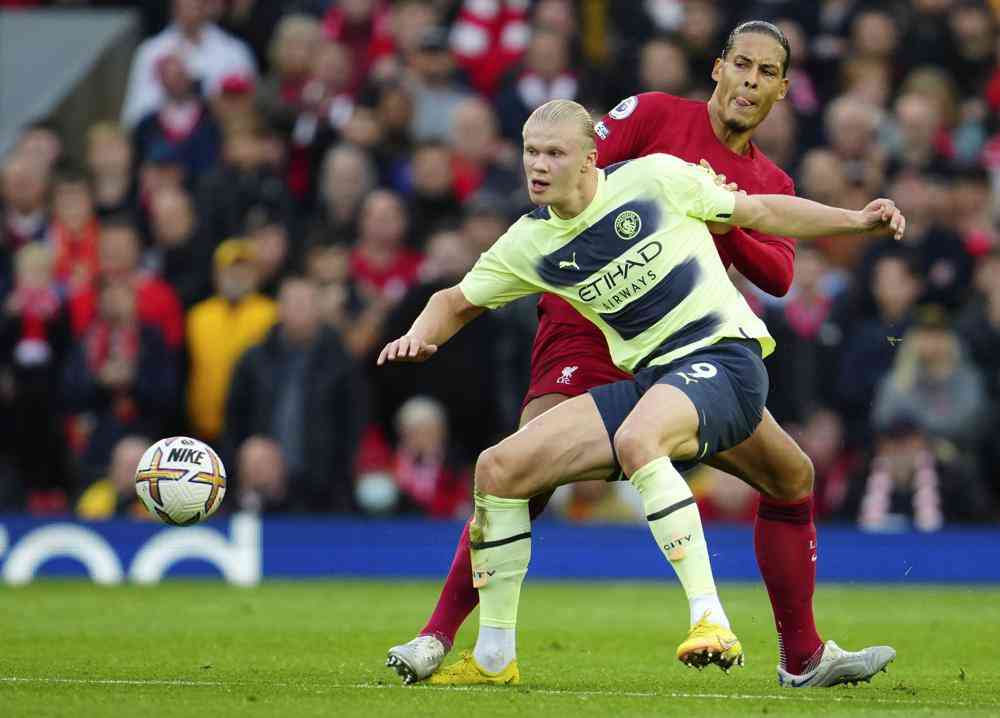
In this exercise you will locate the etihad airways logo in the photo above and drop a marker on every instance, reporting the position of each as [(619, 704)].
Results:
[(631, 265)]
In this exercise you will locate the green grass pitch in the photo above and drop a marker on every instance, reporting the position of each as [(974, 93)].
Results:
[(317, 649)]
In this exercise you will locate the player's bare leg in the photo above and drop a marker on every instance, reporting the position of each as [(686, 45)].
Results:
[(570, 439), (570, 443), (418, 658), (785, 545), (665, 424)]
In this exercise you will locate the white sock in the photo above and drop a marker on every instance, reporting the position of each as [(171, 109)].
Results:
[(494, 648), (708, 602)]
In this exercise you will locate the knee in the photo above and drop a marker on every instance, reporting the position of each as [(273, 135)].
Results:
[(635, 448), (797, 483), (495, 474)]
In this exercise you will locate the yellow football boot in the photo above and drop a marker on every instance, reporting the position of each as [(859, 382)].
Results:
[(709, 643), (467, 672)]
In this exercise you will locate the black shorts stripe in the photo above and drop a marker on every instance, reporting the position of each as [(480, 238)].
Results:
[(500, 542), (670, 509)]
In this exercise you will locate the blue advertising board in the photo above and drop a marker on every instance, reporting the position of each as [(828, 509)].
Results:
[(244, 549)]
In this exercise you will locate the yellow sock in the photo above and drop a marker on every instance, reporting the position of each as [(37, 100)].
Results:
[(676, 524)]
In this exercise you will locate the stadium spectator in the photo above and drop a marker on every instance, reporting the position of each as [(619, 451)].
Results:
[(821, 436), (246, 178), (434, 87), (918, 143), (34, 343), (358, 321), (663, 67), (803, 92), (391, 144), (778, 135), (942, 259), (273, 250), (545, 74), (24, 189), (263, 485), (974, 31), (874, 35), (75, 232), (179, 253), (109, 161), (932, 379), (979, 329), (851, 129), (488, 40), (156, 301), (910, 485), (800, 371), (182, 121), (482, 160), (210, 54), (433, 201), (282, 96), (121, 377), (42, 141), (431, 478), (972, 215), (381, 263), (703, 34), (300, 388), (114, 495), (219, 330), (898, 99), (473, 403), (364, 27), (347, 176), (869, 344), (486, 219)]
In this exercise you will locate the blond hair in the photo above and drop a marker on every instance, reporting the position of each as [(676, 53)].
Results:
[(555, 111)]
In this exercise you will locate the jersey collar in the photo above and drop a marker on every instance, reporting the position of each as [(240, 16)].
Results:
[(587, 214)]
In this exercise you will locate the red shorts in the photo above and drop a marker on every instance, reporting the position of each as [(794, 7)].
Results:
[(570, 355)]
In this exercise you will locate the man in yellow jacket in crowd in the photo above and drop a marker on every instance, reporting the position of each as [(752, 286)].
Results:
[(219, 330)]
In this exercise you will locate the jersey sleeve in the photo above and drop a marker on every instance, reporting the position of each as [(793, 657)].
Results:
[(623, 133), (494, 280), (692, 189)]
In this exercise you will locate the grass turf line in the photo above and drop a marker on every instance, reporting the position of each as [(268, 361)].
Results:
[(316, 648)]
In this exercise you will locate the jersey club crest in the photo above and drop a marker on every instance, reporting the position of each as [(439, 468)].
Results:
[(628, 224)]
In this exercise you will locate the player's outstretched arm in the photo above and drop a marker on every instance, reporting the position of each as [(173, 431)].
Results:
[(447, 311), (798, 217)]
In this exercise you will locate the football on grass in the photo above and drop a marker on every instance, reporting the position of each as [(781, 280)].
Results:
[(180, 480)]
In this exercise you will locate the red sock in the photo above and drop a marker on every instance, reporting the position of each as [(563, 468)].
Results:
[(458, 597), (785, 543)]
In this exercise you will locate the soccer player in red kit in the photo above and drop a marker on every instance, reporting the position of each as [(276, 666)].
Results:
[(570, 356)]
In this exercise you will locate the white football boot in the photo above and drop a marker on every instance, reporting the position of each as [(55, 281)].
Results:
[(838, 666), (418, 659)]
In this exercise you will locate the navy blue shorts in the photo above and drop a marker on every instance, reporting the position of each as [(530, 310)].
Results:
[(727, 383)]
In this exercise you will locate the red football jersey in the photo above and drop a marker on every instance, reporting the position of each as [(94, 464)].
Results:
[(658, 122)]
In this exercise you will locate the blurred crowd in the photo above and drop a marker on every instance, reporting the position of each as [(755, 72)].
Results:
[(287, 183)]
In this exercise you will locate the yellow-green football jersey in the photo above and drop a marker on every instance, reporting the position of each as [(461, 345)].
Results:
[(639, 262)]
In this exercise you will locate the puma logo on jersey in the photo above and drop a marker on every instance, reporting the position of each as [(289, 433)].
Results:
[(567, 375), (571, 264)]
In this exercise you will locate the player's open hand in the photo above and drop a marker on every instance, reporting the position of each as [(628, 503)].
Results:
[(406, 349), (882, 216)]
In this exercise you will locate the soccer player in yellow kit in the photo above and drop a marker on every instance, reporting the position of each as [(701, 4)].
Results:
[(629, 247)]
